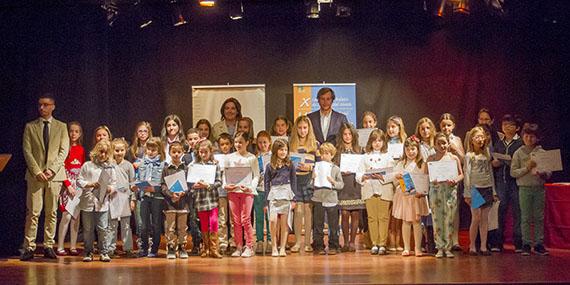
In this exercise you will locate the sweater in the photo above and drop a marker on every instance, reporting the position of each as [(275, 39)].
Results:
[(503, 172), (73, 163), (328, 196), (371, 187), (248, 160), (126, 176), (282, 176), (519, 171), (90, 172), (478, 173)]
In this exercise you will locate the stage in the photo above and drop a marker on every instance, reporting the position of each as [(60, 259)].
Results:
[(346, 268)]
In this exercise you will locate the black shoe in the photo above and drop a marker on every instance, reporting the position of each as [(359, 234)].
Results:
[(540, 250), (49, 253), (195, 251), (525, 250), (456, 248), (27, 255)]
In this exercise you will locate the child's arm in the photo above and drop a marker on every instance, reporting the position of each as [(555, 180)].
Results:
[(517, 168), (164, 188), (336, 179), (459, 171), (360, 178), (84, 176), (467, 179)]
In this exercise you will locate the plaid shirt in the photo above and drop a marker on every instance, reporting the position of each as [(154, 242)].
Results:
[(207, 199)]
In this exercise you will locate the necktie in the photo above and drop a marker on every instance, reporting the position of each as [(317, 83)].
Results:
[(46, 139)]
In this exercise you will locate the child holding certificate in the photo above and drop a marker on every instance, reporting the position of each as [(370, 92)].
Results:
[(443, 198), (206, 197), (479, 188), (396, 132), (240, 180), (349, 198), (225, 144), (531, 190), (261, 219), (280, 184), (410, 207), (376, 192), (326, 201), (97, 179), (192, 137)]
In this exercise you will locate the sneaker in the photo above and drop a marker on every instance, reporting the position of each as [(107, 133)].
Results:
[(540, 250), (152, 254), (321, 251), (345, 249), (88, 257), (374, 250), (27, 255), (456, 248), (296, 248), (439, 254), (236, 253), (182, 254), (382, 251), (247, 252), (308, 248), (104, 257), (269, 247), (259, 247), (61, 252), (73, 252), (282, 252), (518, 250), (449, 254), (171, 253), (195, 250), (333, 251), (525, 250), (495, 249), (49, 253), (143, 253), (275, 252), (131, 254)]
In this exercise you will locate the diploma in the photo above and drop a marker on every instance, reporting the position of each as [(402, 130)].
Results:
[(500, 156), (297, 158), (322, 170), (220, 158), (176, 182), (72, 205), (494, 216), (274, 138), (396, 150), (387, 173), (349, 162), (120, 205), (442, 170), (103, 180), (363, 135), (238, 175), (547, 161), (421, 182), (202, 172)]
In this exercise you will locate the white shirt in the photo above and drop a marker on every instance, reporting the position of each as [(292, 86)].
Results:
[(325, 124)]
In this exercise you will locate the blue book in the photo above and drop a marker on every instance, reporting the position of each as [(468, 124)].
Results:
[(177, 187), (410, 187), (477, 199)]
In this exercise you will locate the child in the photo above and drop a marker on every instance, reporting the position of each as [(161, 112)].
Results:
[(303, 141), (410, 207), (225, 143), (192, 138), (204, 129), (326, 201), (102, 132), (73, 163), (143, 132), (377, 193), (396, 133), (172, 131), (176, 205), (261, 219), (125, 176), (206, 201), (443, 199), (479, 177), (349, 199), (245, 125), (95, 198), (281, 127), (150, 169), (369, 120), (531, 189), (241, 195), (280, 182)]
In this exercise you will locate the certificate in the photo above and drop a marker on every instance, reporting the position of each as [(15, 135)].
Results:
[(297, 158), (221, 159), (238, 175), (322, 171), (421, 182), (176, 182), (274, 138), (396, 150), (202, 172), (494, 216), (387, 173), (120, 205), (501, 156), (547, 161), (442, 170), (363, 135), (104, 179), (350, 162), (72, 205), (143, 184)]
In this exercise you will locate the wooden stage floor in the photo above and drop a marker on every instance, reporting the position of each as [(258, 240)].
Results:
[(346, 268)]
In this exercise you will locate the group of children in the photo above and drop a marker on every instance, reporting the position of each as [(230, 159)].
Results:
[(281, 169)]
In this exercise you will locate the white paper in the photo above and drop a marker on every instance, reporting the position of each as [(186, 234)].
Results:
[(387, 173), (442, 170), (421, 182), (72, 205), (203, 172), (274, 138), (239, 175), (501, 156), (396, 150), (170, 180), (494, 216), (103, 180), (547, 161), (322, 170), (221, 159), (120, 204), (349, 162), (363, 135)]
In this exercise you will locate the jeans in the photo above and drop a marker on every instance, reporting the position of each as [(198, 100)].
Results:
[(151, 216), (126, 233), (261, 217), (90, 221), (509, 196), (194, 225)]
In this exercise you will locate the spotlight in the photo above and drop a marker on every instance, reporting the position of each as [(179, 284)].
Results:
[(236, 10), (440, 8), (112, 9), (313, 9), (179, 13), (144, 16), (207, 3), (461, 7)]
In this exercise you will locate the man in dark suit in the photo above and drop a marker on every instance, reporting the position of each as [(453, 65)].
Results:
[(326, 121)]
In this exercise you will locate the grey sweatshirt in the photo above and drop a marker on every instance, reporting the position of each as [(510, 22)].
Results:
[(519, 171)]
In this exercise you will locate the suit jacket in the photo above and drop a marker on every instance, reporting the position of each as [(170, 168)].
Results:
[(34, 149), (336, 120)]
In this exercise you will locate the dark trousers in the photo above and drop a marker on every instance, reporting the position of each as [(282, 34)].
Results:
[(319, 224), (194, 225), (151, 216), (509, 196)]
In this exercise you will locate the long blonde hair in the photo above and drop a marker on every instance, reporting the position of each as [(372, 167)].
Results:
[(470, 136), (310, 141), (134, 149), (400, 123), (432, 127), (103, 144)]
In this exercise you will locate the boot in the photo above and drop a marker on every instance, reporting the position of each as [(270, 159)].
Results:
[(214, 242), (206, 249)]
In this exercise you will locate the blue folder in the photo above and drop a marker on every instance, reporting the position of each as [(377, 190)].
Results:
[(477, 199), (177, 187)]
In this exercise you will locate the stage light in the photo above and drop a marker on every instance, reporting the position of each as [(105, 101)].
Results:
[(461, 7), (440, 8), (207, 3), (112, 9), (313, 9), (236, 10), (179, 14), (144, 15)]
